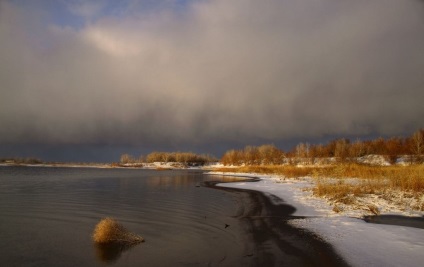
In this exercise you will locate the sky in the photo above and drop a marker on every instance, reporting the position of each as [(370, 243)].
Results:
[(89, 80)]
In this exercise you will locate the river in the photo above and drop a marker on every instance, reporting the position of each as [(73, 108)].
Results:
[(47, 216)]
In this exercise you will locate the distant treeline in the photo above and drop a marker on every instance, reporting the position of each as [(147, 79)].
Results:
[(342, 149), (21, 160), (181, 157)]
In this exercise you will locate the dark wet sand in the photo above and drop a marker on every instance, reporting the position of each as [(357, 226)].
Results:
[(272, 241), (416, 222)]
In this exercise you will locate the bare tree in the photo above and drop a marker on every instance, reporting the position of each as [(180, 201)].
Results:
[(251, 155), (342, 148), (417, 144), (126, 158), (302, 150)]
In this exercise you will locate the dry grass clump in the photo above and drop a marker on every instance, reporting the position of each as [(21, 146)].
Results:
[(340, 188), (378, 178), (109, 231), (409, 179), (396, 184)]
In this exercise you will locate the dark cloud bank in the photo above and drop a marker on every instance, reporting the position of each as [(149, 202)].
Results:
[(221, 73)]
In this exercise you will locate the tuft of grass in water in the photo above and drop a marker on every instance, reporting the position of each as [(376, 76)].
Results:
[(109, 231)]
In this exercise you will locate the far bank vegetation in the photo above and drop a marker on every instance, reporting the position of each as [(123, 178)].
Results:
[(184, 158), (18, 161), (393, 150)]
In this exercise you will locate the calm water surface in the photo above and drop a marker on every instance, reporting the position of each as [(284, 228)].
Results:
[(47, 216)]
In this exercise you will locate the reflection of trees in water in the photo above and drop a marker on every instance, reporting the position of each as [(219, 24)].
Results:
[(175, 179), (186, 180), (109, 253), (163, 180), (172, 181)]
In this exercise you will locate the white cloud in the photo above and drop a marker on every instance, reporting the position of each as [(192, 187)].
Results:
[(84, 8), (112, 43), (223, 70)]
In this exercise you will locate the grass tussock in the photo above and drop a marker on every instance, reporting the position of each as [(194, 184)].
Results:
[(109, 231)]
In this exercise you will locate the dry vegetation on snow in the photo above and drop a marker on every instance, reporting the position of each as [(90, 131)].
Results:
[(356, 186)]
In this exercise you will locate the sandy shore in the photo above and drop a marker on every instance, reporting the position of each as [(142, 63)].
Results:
[(273, 240), (358, 242)]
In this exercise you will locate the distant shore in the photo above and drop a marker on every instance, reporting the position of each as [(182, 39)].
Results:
[(154, 165), (68, 165)]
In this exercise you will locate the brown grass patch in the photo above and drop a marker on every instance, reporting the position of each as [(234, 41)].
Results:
[(382, 181), (109, 231), (405, 178), (332, 181), (288, 171), (377, 178)]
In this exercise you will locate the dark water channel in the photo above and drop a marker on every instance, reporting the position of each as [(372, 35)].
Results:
[(47, 216)]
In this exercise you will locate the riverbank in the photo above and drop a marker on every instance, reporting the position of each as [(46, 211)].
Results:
[(272, 239), (151, 166), (355, 189), (358, 242)]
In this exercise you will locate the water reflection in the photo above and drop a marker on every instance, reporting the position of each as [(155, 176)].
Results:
[(169, 179), (109, 253)]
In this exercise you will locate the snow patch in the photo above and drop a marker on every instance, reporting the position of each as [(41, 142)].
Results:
[(378, 160), (358, 242)]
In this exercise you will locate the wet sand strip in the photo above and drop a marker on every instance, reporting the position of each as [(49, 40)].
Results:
[(415, 222), (272, 241)]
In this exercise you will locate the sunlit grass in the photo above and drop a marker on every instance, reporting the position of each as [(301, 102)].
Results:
[(286, 170), (342, 183), (376, 178)]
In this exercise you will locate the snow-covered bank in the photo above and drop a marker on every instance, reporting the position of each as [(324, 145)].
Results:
[(360, 243), (367, 244)]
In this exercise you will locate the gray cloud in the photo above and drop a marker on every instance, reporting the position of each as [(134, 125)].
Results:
[(221, 71)]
